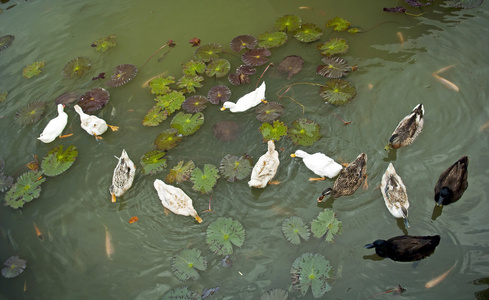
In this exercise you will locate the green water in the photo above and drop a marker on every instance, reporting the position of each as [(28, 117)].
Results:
[(71, 263)]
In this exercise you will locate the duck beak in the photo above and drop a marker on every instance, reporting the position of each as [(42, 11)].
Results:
[(292, 155), (199, 219), (113, 197), (223, 108), (369, 246)]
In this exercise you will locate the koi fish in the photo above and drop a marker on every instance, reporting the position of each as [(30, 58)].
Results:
[(484, 127), (445, 82), (109, 248), (444, 69), (439, 279), (38, 233), (305, 7), (401, 37)]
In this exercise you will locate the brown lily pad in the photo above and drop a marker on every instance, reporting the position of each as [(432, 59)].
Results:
[(122, 74), (94, 100), (219, 93), (291, 65)]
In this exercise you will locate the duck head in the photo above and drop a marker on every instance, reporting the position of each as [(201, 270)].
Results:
[(444, 196), (325, 193)]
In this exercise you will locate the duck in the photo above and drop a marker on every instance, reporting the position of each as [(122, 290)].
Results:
[(93, 125), (265, 168), (452, 183), (408, 129), (123, 176), (405, 247), (248, 101), (394, 193), (320, 164), (55, 126), (349, 179), (175, 200)]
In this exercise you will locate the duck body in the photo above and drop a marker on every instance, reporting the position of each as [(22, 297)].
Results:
[(408, 129), (248, 101), (405, 247), (452, 183), (394, 193), (265, 168), (91, 124), (55, 126), (319, 163), (123, 176), (349, 179), (175, 200)]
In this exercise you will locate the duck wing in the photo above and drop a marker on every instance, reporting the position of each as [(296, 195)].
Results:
[(411, 248)]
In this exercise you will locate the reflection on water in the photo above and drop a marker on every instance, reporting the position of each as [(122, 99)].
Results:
[(396, 59)]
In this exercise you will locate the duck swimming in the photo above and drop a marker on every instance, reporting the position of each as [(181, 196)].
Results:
[(405, 247), (175, 200), (123, 176), (408, 129), (452, 183), (93, 125), (55, 127), (248, 101), (265, 168), (394, 193), (320, 164)]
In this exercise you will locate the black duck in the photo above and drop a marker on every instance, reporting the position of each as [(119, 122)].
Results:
[(452, 183), (405, 247)]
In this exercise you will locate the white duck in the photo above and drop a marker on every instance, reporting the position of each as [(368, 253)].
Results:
[(55, 126), (319, 163), (248, 101), (265, 168), (93, 125), (175, 200), (123, 176), (395, 196)]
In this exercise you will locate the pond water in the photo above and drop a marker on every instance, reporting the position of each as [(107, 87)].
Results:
[(74, 209)]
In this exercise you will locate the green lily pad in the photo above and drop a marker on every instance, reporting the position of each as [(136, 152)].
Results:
[(273, 131), (311, 270), (275, 294), (30, 113), (256, 57), (160, 85), (294, 229), (272, 39), (269, 111), (168, 139), (205, 180), (181, 172), (193, 68), (234, 168), (14, 266), (171, 101), (181, 293), (223, 233), (304, 132), (338, 24), (335, 67), (195, 103), (104, 44), (5, 182), (186, 124), (308, 33), (333, 46), (187, 262), (208, 52), (326, 224), (26, 189), (77, 66), (243, 42), (58, 161), (33, 69), (337, 92), (218, 67), (155, 116), (190, 83), (153, 162), (288, 23), (3, 96)]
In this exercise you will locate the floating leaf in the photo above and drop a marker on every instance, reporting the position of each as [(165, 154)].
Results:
[(94, 100), (186, 124), (195, 103), (123, 74), (204, 180), (304, 132), (14, 266), (133, 220), (256, 57), (226, 131), (288, 23), (269, 111), (464, 3), (155, 116), (208, 52), (326, 223), (291, 65), (272, 39), (171, 101), (333, 46), (223, 233), (294, 229), (30, 113), (104, 44), (234, 168), (242, 75), (311, 270), (26, 189), (160, 85), (153, 162), (219, 93), (218, 67), (58, 161), (338, 24), (243, 42), (3, 96), (77, 66), (168, 139), (33, 69), (68, 98), (195, 42), (337, 92), (273, 131), (308, 33), (5, 182), (193, 68), (186, 263), (190, 83), (275, 294), (181, 293), (180, 172), (335, 67), (6, 41)]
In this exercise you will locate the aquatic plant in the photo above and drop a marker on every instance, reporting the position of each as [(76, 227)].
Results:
[(195, 103), (256, 57), (294, 229), (335, 67), (243, 42), (326, 224), (304, 132), (242, 75), (30, 113), (226, 131), (26, 189), (77, 66), (308, 33), (68, 98), (187, 124), (333, 46), (234, 168), (104, 44), (181, 172), (275, 294), (14, 267), (464, 3), (272, 39), (218, 67), (218, 93), (181, 293), (33, 69), (223, 233), (3, 96), (171, 101), (311, 270), (194, 67), (338, 24), (155, 116), (204, 180), (153, 162), (94, 100), (6, 41), (208, 52), (187, 262), (122, 75), (337, 92), (190, 83), (57, 161), (269, 111), (160, 85), (274, 131), (168, 139), (288, 23), (291, 65)]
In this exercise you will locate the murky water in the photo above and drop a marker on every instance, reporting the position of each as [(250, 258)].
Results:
[(74, 208)]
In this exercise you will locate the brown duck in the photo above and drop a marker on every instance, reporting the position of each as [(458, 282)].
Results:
[(452, 183)]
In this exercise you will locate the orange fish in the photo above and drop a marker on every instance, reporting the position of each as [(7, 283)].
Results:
[(438, 279), (133, 220), (445, 82), (38, 233), (109, 248)]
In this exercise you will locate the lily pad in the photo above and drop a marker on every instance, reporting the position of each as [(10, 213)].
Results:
[(304, 132), (333, 46), (204, 180), (269, 111), (30, 113), (193, 68), (219, 93), (181, 293), (464, 3), (273, 131), (160, 85), (57, 161), (171, 101), (256, 57), (155, 116), (338, 24), (243, 42), (275, 294), (5, 182), (291, 65), (104, 44), (14, 266), (153, 162), (186, 124), (187, 262), (208, 52), (68, 98), (123, 74), (94, 100), (288, 23), (190, 83), (226, 131), (308, 33), (335, 67), (3, 96), (242, 75), (337, 92), (195, 103), (326, 224), (168, 139), (234, 168), (294, 229), (272, 39), (181, 172), (33, 69), (218, 67), (6, 41), (77, 66), (311, 270), (26, 189), (223, 233)]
